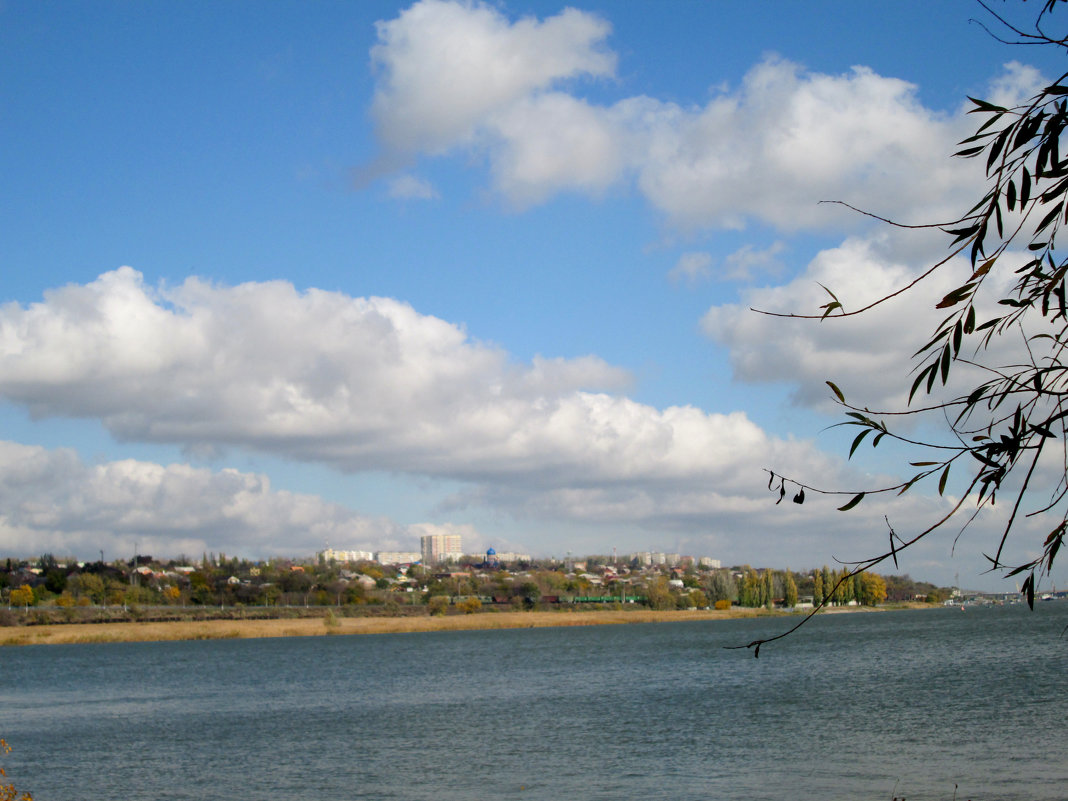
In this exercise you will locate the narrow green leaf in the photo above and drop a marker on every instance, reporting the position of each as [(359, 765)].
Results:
[(1026, 132), (825, 289), (859, 439), (996, 147), (982, 457), (978, 133), (942, 481), (956, 296), (1041, 158), (927, 372), (993, 118), (908, 485), (836, 391), (983, 269), (855, 500), (982, 105), (977, 242), (830, 307), (1050, 217), (962, 233)]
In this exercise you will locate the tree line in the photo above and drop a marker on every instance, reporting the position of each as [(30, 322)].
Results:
[(233, 582)]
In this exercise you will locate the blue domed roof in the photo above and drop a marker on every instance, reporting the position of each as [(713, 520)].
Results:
[(491, 552)]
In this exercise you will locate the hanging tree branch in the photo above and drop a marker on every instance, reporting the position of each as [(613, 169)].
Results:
[(1009, 416)]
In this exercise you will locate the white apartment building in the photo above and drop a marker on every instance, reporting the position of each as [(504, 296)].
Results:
[(649, 558), (501, 556), (397, 557), (509, 556), (440, 548), (346, 556)]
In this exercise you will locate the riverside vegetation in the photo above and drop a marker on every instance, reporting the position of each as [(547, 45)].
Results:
[(49, 600)]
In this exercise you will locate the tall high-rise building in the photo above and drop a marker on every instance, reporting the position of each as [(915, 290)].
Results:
[(440, 547)]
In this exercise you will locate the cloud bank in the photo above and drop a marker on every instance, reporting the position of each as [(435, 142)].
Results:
[(55, 503), (454, 76), (363, 384)]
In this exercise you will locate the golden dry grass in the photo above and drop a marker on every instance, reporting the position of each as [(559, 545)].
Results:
[(317, 627)]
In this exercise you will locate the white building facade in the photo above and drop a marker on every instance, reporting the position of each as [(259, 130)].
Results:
[(330, 555), (397, 557), (440, 548)]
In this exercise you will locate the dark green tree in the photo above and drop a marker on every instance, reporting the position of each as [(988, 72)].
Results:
[(789, 590), (767, 588), (749, 590), (721, 587), (658, 595)]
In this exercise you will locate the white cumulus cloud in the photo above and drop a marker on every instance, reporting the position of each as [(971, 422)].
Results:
[(870, 355), (411, 187), (691, 268), (453, 74), (53, 502), (444, 66), (371, 384)]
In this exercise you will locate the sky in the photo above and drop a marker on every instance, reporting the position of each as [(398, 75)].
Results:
[(278, 276)]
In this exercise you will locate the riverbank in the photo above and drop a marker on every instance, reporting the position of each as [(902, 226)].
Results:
[(155, 631)]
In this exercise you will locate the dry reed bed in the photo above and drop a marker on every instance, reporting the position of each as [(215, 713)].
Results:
[(62, 633)]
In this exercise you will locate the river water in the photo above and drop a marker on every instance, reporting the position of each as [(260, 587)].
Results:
[(934, 704)]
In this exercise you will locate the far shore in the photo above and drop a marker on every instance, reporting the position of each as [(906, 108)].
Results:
[(128, 631)]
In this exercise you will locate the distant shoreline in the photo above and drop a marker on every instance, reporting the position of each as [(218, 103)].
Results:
[(132, 631)]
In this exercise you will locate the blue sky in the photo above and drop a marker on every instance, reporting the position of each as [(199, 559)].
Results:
[(277, 275)]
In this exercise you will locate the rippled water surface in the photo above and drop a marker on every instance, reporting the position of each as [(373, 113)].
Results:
[(860, 706)]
